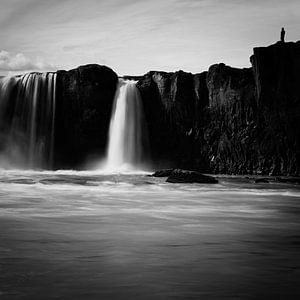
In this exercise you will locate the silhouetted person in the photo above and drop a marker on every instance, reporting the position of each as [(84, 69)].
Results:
[(282, 35)]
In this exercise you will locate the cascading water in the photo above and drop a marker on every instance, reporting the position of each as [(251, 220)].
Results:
[(128, 138), (27, 105)]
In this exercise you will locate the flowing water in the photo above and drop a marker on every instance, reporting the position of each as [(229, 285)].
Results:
[(109, 235), (89, 235), (128, 136), (27, 116)]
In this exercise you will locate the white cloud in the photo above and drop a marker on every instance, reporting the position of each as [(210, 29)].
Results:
[(20, 62), (135, 36)]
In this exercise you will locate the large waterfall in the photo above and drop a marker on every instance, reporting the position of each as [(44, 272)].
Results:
[(27, 115), (128, 136)]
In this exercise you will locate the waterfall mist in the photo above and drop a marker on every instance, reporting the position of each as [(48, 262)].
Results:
[(27, 105), (128, 137)]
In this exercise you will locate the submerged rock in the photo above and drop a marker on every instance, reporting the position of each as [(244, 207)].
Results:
[(162, 173), (186, 176)]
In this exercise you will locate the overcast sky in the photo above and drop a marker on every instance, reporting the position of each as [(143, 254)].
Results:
[(135, 36)]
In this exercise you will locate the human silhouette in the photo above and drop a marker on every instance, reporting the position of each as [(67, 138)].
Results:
[(282, 35)]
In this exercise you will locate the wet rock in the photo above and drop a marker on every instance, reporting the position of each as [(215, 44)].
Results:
[(186, 176), (20, 181), (292, 180), (162, 173), (261, 180)]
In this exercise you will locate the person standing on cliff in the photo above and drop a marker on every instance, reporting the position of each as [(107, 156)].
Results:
[(282, 35)]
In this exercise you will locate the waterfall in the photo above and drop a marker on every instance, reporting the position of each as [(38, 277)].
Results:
[(128, 136), (27, 105)]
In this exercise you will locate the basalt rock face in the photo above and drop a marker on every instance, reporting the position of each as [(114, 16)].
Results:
[(229, 135), (198, 121), (84, 102), (172, 110), (229, 120), (276, 72)]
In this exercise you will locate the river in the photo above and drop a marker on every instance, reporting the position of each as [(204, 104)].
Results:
[(90, 235)]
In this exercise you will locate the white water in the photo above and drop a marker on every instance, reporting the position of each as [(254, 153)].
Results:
[(127, 133), (86, 235), (27, 105)]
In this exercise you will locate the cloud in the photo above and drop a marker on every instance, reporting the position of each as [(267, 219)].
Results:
[(20, 62), (134, 36)]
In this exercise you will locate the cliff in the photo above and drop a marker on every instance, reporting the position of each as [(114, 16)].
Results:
[(225, 120), (228, 120), (84, 102), (170, 107), (276, 73), (200, 121), (227, 138)]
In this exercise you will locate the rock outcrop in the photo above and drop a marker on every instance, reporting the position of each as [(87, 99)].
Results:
[(162, 173), (84, 102), (187, 176)]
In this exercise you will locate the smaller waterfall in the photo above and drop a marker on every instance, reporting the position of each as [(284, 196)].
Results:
[(27, 105), (128, 138)]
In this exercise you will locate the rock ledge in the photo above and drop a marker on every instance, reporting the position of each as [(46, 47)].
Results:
[(186, 176)]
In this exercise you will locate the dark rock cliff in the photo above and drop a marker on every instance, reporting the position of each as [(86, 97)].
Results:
[(198, 121), (276, 72), (229, 120), (226, 120), (171, 108), (227, 138), (84, 101)]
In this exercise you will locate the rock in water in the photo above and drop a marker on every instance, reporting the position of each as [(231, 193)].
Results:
[(292, 180), (261, 180), (185, 176), (163, 173)]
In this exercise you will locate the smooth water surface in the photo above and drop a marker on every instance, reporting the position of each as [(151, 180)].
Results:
[(87, 235)]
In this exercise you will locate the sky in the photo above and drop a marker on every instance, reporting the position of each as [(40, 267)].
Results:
[(136, 36)]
